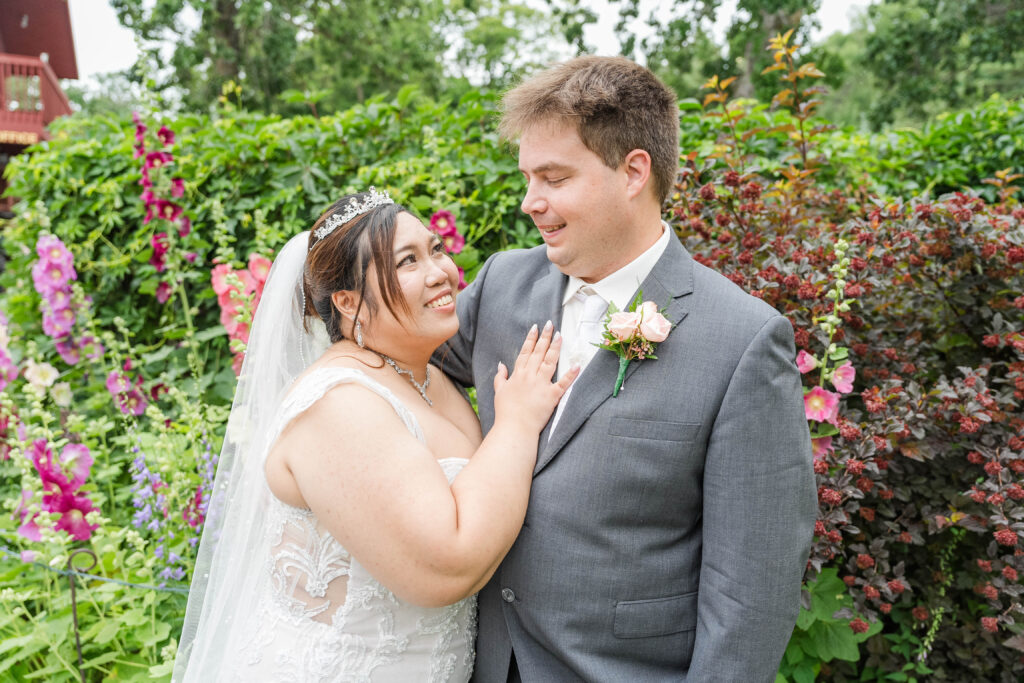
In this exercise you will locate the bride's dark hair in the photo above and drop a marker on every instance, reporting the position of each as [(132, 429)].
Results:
[(341, 261)]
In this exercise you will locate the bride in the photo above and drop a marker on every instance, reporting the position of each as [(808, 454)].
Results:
[(356, 509)]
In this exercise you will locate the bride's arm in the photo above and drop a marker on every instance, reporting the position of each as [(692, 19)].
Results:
[(380, 492)]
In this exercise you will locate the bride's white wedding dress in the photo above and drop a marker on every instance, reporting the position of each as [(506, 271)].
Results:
[(319, 615)]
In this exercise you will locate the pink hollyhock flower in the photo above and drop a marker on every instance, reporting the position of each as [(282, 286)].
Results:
[(191, 256), (28, 556), (73, 510), (443, 223), (28, 527), (117, 383), (147, 197), (92, 347), (654, 326), (842, 377), (821, 447), (624, 325), (821, 405), (805, 362), (50, 248), (259, 267), (59, 299), (8, 370), (48, 277), (166, 135), (30, 530), (218, 278), (67, 350), (59, 323), (184, 226), (177, 187), (163, 292), (454, 243), (133, 402), (462, 279)]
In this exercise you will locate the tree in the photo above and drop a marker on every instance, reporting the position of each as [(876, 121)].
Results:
[(932, 55)]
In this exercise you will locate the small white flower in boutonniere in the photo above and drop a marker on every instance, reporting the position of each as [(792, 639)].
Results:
[(633, 334)]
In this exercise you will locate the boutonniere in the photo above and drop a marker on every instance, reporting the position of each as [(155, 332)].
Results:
[(633, 334)]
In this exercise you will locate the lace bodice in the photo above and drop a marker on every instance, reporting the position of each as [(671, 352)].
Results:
[(320, 615)]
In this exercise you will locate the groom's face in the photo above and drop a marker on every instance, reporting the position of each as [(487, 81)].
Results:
[(576, 201)]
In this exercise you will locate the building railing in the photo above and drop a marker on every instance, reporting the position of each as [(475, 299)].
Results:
[(30, 98)]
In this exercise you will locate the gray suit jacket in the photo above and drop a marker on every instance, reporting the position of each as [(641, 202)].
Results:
[(668, 528)]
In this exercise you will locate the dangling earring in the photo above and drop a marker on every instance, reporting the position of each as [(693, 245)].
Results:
[(359, 335)]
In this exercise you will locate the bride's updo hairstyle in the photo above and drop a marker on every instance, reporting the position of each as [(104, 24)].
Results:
[(340, 261)]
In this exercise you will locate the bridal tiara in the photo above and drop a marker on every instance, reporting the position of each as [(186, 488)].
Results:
[(352, 209)]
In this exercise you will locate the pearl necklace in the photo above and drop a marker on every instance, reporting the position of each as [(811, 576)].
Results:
[(422, 388)]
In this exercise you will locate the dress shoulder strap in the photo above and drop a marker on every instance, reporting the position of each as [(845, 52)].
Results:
[(317, 383)]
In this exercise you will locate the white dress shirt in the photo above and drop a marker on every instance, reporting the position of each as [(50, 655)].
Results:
[(618, 288)]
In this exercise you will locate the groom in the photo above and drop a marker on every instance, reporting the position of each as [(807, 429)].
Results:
[(668, 527)]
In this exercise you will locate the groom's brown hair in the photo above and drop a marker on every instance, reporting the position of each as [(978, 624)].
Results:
[(615, 105)]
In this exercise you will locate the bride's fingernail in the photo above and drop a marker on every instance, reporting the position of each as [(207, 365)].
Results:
[(547, 326), (558, 335), (533, 329)]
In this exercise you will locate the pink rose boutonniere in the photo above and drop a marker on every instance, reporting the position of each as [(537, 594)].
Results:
[(633, 334)]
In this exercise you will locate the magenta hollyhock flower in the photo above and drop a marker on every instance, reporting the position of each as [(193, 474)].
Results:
[(77, 460), (159, 244), (462, 279), (158, 159), (8, 370), (843, 376), (59, 299), (805, 362), (185, 227), (147, 197), (821, 447), (166, 135), (191, 256), (163, 292), (443, 223), (821, 405), (28, 527), (454, 243), (167, 210), (177, 187), (53, 477), (73, 510)]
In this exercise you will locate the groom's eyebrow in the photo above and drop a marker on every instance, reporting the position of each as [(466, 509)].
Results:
[(548, 167)]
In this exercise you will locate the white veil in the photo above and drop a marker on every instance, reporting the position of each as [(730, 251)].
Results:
[(227, 572)]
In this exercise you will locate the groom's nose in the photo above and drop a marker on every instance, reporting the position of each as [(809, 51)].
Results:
[(532, 203)]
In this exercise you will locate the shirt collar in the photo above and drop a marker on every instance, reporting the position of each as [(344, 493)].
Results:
[(623, 283)]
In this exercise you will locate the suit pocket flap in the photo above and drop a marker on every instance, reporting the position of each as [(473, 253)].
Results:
[(657, 617), (659, 430)]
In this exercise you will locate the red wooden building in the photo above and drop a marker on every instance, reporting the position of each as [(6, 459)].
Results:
[(36, 49)]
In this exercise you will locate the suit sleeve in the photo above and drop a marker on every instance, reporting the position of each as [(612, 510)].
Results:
[(455, 356), (759, 506)]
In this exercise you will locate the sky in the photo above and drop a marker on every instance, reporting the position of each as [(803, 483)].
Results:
[(103, 45)]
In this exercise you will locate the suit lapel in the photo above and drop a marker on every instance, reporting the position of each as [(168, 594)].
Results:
[(546, 304), (666, 285)]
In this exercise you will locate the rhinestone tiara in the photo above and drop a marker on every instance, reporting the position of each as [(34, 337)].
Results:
[(353, 209)]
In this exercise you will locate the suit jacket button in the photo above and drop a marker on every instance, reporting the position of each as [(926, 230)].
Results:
[(507, 595)]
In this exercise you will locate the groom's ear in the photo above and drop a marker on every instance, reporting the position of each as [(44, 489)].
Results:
[(637, 166), (346, 303)]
